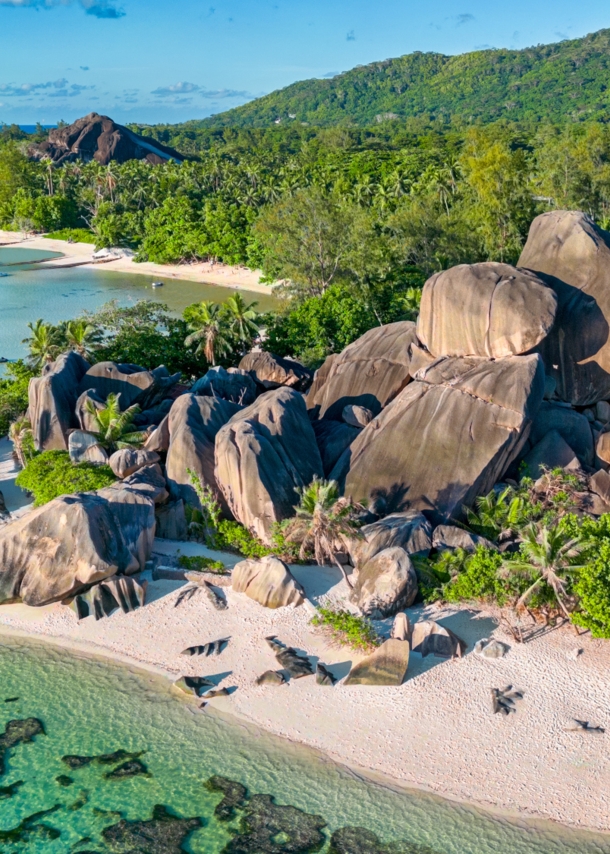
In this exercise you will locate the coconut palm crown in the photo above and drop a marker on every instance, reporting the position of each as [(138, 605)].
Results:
[(114, 429)]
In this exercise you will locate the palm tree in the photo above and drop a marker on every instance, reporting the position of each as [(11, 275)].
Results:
[(83, 337), (42, 343), (20, 434), (498, 514), (241, 319), (114, 429), (323, 522), (208, 331), (549, 555)]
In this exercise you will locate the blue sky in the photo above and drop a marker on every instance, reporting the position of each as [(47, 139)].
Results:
[(153, 60)]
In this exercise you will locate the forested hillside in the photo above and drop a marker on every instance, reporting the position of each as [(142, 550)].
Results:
[(566, 80)]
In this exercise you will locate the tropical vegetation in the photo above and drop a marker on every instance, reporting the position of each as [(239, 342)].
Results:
[(52, 473)]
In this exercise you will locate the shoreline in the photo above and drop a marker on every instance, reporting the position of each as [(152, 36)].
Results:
[(523, 820), (79, 254), (435, 734)]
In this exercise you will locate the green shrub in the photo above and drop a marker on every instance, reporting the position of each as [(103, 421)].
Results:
[(14, 394), (233, 537), (592, 587), (52, 473), (198, 563), (78, 235), (347, 629), (478, 579)]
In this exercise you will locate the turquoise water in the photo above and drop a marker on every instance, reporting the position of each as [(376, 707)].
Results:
[(91, 707), (30, 292)]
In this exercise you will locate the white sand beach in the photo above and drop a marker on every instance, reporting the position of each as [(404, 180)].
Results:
[(435, 732), (80, 254)]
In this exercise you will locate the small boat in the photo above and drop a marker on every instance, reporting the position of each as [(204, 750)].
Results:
[(3, 275), (157, 285), (3, 360)]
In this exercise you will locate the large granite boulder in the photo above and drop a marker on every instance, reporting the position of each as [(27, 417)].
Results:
[(268, 581), (271, 371), (386, 584), (450, 537), (85, 419), (133, 383), (431, 638), (410, 531), (52, 399), (551, 452), (84, 447), (447, 438), (193, 423), (488, 309), (262, 455), (568, 246), (572, 426), (159, 439), (75, 541), (99, 138), (370, 372), (234, 384)]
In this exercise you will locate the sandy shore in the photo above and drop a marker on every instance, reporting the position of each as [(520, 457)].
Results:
[(80, 253), (436, 732)]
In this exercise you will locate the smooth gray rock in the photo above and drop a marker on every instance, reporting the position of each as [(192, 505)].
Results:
[(602, 411), (133, 383), (572, 426), (84, 448), (448, 437), (193, 424), (429, 637), (128, 461), (171, 521), (268, 581), (369, 373), (159, 439), (568, 246), (333, 438), (387, 665), (410, 531), (271, 371), (488, 309), (386, 584), (599, 483), (449, 537), (85, 419), (357, 416), (552, 452), (271, 677), (264, 453), (52, 399), (234, 385), (486, 648)]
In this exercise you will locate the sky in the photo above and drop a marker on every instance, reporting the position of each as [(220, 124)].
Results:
[(155, 61)]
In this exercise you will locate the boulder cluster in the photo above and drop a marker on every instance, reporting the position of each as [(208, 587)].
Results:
[(506, 366)]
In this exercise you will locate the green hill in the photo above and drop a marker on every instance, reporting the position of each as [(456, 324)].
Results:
[(567, 80)]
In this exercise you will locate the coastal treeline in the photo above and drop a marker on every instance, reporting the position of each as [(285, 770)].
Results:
[(350, 220)]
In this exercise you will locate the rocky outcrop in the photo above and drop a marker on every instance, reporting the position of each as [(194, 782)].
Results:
[(171, 521), (84, 447), (551, 452), (128, 461), (262, 455), (450, 537), (333, 438), (386, 584), (235, 385), (96, 137), (85, 418), (370, 372), (571, 425), (159, 439), (104, 598), (387, 665), (568, 246), (268, 581), (431, 638), (75, 541), (357, 416), (410, 531), (447, 438), (52, 399), (270, 371), (489, 309), (133, 383), (193, 423)]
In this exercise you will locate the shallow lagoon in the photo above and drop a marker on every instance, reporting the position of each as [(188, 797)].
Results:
[(90, 706), (30, 292)]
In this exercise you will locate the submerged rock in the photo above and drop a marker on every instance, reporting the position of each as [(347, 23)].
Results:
[(131, 768), (359, 840), (164, 833), (234, 796), (18, 732), (11, 790), (32, 829)]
